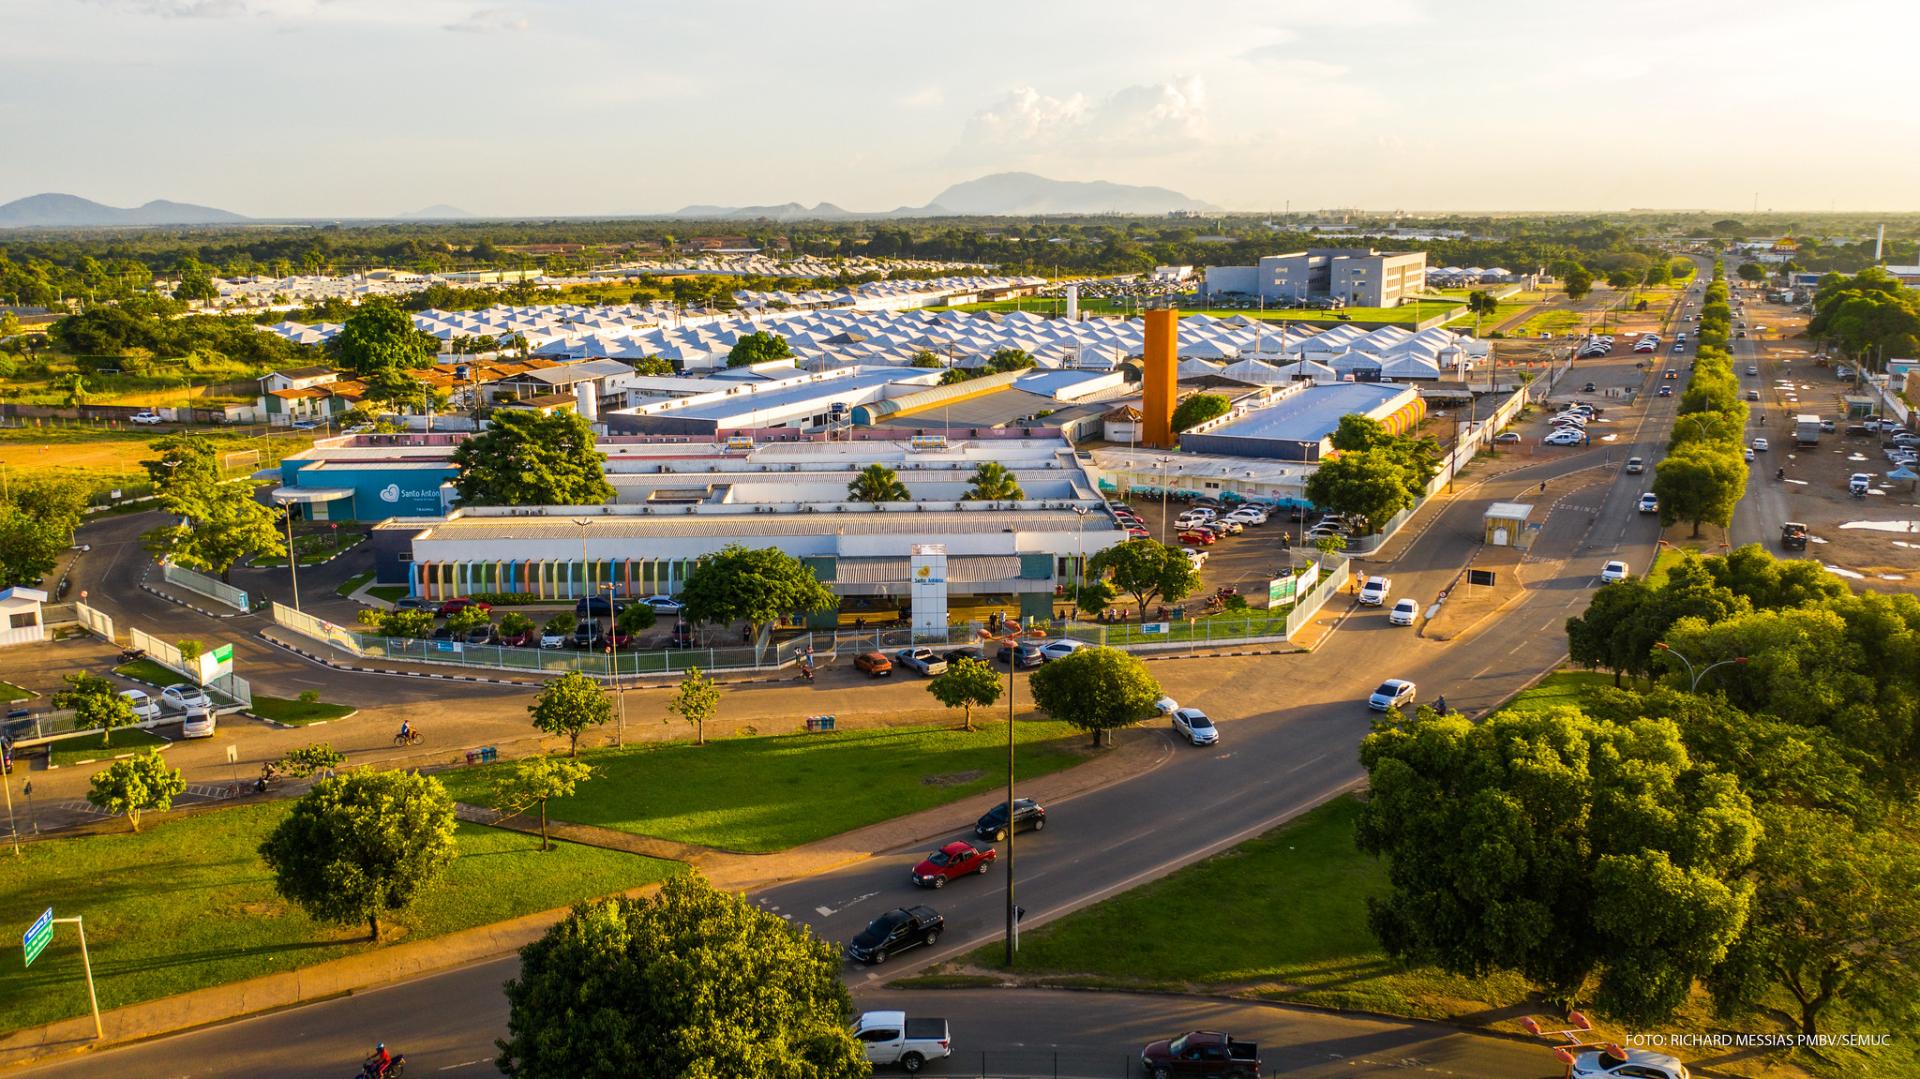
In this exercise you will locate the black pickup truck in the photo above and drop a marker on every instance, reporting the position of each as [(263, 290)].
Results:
[(1202, 1052), (1793, 536), (896, 931)]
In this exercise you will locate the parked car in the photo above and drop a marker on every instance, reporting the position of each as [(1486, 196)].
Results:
[(1204, 539), (552, 640), (479, 635), (894, 932), (598, 607), (184, 695), (1564, 438), (1166, 706), (143, 706), (414, 603), (1027, 814), (1393, 693), (896, 1038), (1374, 592), (586, 636), (955, 655), (1405, 612), (921, 661), (664, 605), (197, 723), (956, 859), (1193, 725), (524, 639), (873, 664), (1634, 1064), (1613, 572), (1507, 438), (455, 606), (1201, 1052), (1060, 649), (1027, 655), (683, 636), (1649, 503), (146, 418)]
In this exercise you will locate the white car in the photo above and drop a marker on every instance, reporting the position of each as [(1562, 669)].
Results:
[(1248, 516), (1635, 1064), (1166, 706), (1649, 503), (1195, 727), (1613, 572), (182, 696), (1404, 612), (146, 417), (1564, 438), (1748, 453), (1374, 592), (1061, 649), (1753, 369), (1760, 444), (1198, 558), (197, 723), (663, 604), (553, 640), (1200, 513), (143, 706), (1393, 693)]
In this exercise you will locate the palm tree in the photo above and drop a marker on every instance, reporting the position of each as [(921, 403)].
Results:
[(993, 483), (877, 483)]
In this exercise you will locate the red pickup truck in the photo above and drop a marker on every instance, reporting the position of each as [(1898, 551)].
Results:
[(1202, 1052)]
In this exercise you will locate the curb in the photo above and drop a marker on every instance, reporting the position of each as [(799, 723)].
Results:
[(325, 662), (310, 565), (276, 724), (171, 598)]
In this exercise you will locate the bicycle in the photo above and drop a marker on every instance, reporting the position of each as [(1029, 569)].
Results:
[(410, 738)]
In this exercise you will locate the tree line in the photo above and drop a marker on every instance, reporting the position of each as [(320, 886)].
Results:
[(1704, 472)]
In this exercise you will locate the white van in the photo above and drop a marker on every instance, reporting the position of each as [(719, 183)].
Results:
[(197, 723)]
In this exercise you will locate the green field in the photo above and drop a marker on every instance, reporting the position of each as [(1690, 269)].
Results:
[(68, 752), (146, 670), (187, 903), (348, 586), (760, 794), (10, 693), (316, 546), (1556, 689), (389, 592), (109, 457), (297, 713)]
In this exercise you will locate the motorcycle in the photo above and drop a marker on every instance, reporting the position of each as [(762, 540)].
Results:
[(1779, 473), (269, 777), (395, 1069), (128, 655)]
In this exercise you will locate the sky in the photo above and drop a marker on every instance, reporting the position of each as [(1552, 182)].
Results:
[(318, 108)]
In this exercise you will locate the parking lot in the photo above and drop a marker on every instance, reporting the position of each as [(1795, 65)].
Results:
[(1245, 561)]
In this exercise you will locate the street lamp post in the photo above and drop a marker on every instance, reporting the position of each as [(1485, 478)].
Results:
[(1079, 558), (1162, 462), (293, 560), (613, 652), (1738, 661), (1012, 641)]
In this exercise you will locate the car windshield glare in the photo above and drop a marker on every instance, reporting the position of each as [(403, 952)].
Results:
[(938, 857), (1198, 720), (1386, 689)]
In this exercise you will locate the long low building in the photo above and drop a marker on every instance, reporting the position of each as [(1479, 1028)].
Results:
[(1299, 421), (678, 502)]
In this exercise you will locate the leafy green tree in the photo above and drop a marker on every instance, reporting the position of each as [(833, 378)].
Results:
[(1147, 570), (1699, 484), (568, 705), (1752, 271), (222, 525), (752, 585), (1096, 596), (561, 624), (925, 358), (135, 785), (30, 546), (1578, 282), (1574, 851), (1199, 408), (187, 463), (396, 389), (877, 483), (761, 346), (525, 458), (1095, 689), (59, 500), (993, 482), (1009, 359), (469, 618), (690, 982), (1368, 484), (311, 760), (1836, 918), (966, 684), (411, 625), (362, 844), (653, 366), (196, 283), (513, 624), (533, 781), (1482, 304), (636, 618), (697, 700), (96, 702), (1657, 274), (1768, 582), (379, 335), (1615, 631)]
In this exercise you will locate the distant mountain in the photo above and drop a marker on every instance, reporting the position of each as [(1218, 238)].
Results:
[(786, 211), (1020, 194), (1004, 194), (439, 211), (71, 211)]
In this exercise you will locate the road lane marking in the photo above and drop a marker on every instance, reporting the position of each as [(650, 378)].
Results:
[(828, 912), (465, 1064)]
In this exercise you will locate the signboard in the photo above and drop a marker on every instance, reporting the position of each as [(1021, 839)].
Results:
[(927, 576), (1482, 577), (1307, 577), (38, 936), (739, 442), (1280, 591), (216, 663), (1154, 627)]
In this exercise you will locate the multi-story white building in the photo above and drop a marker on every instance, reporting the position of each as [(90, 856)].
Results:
[(1359, 276)]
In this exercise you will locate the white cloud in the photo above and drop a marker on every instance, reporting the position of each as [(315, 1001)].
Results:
[(489, 19), (190, 9), (927, 97), (1146, 119)]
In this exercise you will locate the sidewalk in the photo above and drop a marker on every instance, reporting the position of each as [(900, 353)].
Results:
[(1137, 750)]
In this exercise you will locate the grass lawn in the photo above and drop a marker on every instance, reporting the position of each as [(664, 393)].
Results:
[(297, 713), (390, 592), (315, 547), (1556, 689), (351, 584), (187, 903), (1555, 322), (1299, 930), (109, 457), (10, 692), (146, 670), (762, 794), (1488, 323), (68, 752)]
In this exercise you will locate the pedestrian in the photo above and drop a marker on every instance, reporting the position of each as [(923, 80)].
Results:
[(1286, 539), (1440, 704), (1543, 483)]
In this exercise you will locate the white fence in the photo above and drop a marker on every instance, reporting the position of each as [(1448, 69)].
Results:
[(159, 651), (95, 622), (1316, 597), (318, 628), (218, 591)]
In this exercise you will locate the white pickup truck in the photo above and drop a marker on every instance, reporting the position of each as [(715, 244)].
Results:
[(892, 1038)]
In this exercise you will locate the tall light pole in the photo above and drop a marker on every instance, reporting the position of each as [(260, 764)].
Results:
[(1162, 462), (1012, 641), (613, 651), (293, 560), (1079, 558), (1739, 661)]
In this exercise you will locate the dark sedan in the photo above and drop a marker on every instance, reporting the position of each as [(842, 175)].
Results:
[(1027, 814)]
